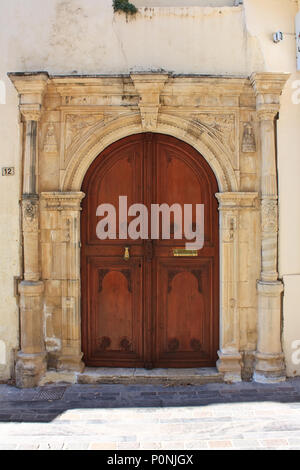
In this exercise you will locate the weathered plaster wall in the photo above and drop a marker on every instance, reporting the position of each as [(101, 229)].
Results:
[(185, 3), (63, 36), (83, 36)]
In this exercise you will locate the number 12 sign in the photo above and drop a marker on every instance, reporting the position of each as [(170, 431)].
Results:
[(8, 171)]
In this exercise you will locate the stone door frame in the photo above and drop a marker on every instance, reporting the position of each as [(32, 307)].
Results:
[(227, 120)]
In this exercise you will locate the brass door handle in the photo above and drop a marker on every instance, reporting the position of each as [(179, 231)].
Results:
[(126, 253)]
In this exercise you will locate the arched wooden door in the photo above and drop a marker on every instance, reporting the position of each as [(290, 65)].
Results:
[(155, 309)]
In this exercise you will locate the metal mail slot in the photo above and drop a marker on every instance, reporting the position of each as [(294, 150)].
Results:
[(184, 252)]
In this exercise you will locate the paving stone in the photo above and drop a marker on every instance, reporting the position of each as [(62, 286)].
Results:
[(119, 416), (274, 442), (8, 446), (196, 445), (130, 446), (246, 444), (220, 444), (167, 445)]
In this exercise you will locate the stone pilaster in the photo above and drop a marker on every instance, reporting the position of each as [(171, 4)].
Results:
[(269, 365), (61, 262), (230, 205), (31, 362)]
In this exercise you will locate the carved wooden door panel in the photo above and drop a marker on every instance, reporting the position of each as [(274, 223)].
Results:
[(112, 288), (155, 309), (186, 288)]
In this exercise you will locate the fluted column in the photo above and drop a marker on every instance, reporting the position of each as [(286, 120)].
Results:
[(269, 365), (31, 363)]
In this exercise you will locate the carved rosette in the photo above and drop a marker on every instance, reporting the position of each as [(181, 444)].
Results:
[(30, 209)]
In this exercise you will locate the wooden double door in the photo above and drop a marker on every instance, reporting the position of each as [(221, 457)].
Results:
[(153, 309)]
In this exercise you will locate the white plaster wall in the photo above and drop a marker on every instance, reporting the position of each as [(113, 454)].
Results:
[(280, 15), (281, 57), (64, 36), (84, 36), (9, 225)]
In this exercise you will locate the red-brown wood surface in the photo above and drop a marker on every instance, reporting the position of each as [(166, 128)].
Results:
[(154, 310)]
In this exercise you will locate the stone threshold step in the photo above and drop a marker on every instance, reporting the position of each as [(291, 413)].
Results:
[(154, 376), (144, 376), (109, 375)]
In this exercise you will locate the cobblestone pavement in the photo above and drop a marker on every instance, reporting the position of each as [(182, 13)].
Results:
[(212, 416)]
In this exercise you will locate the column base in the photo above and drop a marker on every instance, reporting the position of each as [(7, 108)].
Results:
[(269, 359), (248, 365), (29, 369), (269, 368), (71, 363), (229, 364)]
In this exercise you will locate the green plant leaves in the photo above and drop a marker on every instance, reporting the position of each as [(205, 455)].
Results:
[(124, 5)]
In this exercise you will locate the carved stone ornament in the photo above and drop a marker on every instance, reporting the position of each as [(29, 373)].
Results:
[(248, 142), (269, 215), (149, 88), (31, 112), (30, 219), (220, 125), (50, 144), (76, 123), (230, 225), (149, 117)]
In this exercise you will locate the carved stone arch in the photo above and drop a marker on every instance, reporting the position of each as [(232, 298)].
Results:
[(101, 136)]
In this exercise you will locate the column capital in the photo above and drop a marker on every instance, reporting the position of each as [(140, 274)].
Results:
[(268, 87), (62, 201), (237, 200), (269, 82), (31, 88), (30, 112)]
